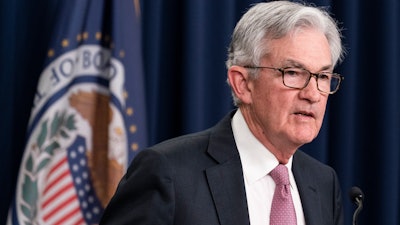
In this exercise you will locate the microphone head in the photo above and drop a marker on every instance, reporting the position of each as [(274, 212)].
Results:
[(356, 193)]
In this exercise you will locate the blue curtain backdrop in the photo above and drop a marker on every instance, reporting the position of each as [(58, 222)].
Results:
[(184, 49)]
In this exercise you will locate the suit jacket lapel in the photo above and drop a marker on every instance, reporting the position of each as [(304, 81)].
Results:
[(227, 189), (226, 178), (308, 192)]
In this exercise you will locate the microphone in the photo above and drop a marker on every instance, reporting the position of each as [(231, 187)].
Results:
[(357, 197)]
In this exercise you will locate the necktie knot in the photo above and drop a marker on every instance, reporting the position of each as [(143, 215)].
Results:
[(280, 175)]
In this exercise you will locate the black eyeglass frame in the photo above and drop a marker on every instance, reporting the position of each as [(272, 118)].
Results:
[(316, 75)]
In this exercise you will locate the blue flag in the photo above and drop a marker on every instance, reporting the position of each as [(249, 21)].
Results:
[(88, 117)]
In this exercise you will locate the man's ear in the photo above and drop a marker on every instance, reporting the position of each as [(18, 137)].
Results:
[(239, 80)]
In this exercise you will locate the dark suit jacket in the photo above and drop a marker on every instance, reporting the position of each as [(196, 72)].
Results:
[(197, 179)]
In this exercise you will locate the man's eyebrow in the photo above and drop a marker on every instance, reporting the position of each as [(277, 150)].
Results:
[(294, 63)]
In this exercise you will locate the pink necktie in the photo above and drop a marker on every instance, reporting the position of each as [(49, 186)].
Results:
[(282, 209)]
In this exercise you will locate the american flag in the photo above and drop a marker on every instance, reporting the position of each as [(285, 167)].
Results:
[(68, 195)]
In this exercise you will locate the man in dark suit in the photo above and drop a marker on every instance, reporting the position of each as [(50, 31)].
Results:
[(280, 65)]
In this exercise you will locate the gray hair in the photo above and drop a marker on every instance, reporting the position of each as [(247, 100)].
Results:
[(274, 20)]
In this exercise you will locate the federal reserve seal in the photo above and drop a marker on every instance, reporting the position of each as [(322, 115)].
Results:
[(77, 147)]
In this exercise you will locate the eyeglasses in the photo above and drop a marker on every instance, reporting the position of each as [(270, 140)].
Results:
[(298, 78)]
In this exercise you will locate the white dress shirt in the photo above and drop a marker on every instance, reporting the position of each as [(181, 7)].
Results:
[(257, 162)]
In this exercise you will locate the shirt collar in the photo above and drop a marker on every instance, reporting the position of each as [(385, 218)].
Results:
[(257, 160)]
